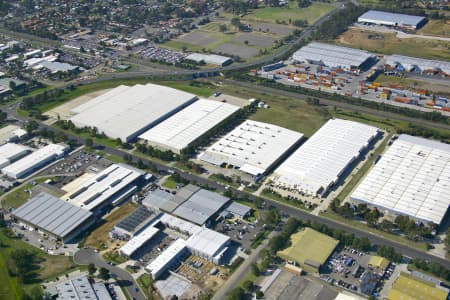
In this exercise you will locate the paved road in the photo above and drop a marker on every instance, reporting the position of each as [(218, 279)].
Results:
[(88, 256), (241, 272)]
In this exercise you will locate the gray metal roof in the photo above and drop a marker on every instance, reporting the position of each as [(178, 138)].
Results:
[(137, 219), (162, 200), (52, 214), (201, 206), (238, 209), (389, 18), (77, 288)]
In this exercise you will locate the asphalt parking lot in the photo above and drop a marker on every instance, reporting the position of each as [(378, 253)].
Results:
[(77, 162), (239, 231)]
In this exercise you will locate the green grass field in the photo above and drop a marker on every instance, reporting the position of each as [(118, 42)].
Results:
[(388, 43), (20, 195), (170, 183), (292, 12), (436, 28), (52, 266)]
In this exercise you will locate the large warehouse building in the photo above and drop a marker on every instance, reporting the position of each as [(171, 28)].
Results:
[(208, 244), (320, 162), (392, 19), (109, 186), (333, 56), (254, 147), (408, 63), (58, 219), (412, 178), (35, 161), (126, 112), (182, 129)]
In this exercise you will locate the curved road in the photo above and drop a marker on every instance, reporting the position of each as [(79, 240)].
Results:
[(89, 256)]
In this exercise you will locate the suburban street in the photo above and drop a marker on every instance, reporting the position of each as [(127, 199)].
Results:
[(89, 256)]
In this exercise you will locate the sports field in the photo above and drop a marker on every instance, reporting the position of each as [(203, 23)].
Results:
[(388, 43)]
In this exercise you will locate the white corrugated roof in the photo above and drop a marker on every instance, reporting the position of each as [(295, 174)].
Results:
[(139, 240), (179, 224), (180, 130), (125, 112), (253, 146), (412, 178), (166, 257), (207, 241), (212, 59), (34, 159), (103, 186), (409, 62), (323, 157), (332, 55), (9, 151), (388, 18)]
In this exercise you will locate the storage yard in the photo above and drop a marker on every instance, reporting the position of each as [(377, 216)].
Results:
[(318, 165), (185, 127), (411, 178)]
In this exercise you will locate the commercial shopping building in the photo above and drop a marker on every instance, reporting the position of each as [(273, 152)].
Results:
[(183, 128), (412, 178), (325, 157), (414, 64), (126, 112), (376, 17), (56, 218), (334, 56), (35, 161), (253, 147), (109, 187)]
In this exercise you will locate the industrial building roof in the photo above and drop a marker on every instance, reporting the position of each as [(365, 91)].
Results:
[(183, 128), (211, 59), (252, 146), (408, 287), (34, 159), (391, 19), (10, 151), (52, 214), (320, 161), (10, 132), (348, 296), (207, 241), (412, 178), (106, 184), (332, 55), (162, 200), (413, 62), (77, 288), (54, 66), (138, 218), (201, 206), (125, 112), (139, 240), (179, 224), (309, 245), (166, 257), (238, 209)]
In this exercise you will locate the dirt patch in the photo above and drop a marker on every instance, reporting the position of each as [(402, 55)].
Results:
[(273, 28), (255, 40), (242, 51), (63, 110), (198, 38), (101, 234)]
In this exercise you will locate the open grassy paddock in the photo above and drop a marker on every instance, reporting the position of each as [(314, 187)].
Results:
[(388, 43), (436, 28)]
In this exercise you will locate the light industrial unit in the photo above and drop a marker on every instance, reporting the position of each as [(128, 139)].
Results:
[(110, 186), (254, 147), (409, 63), (211, 59), (35, 161), (81, 288), (10, 152), (138, 241), (208, 244), (186, 126), (320, 162), (392, 19), (412, 178), (125, 112), (57, 218), (134, 223), (167, 258), (333, 56)]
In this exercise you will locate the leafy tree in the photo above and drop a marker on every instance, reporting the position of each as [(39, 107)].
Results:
[(247, 285), (259, 294), (88, 142), (222, 28), (91, 269), (236, 294), (103, 274)]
